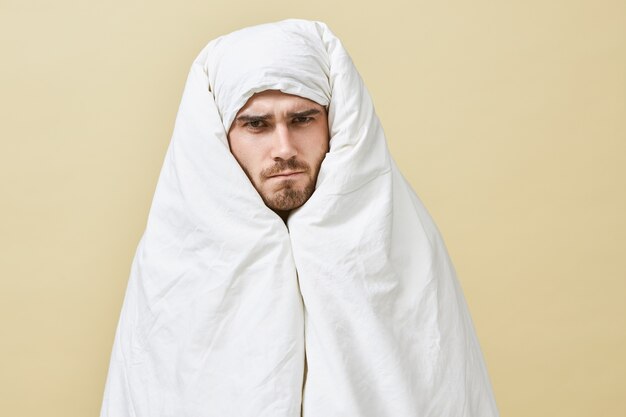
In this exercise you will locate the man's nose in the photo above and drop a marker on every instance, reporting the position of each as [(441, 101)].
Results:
[(283, 146)]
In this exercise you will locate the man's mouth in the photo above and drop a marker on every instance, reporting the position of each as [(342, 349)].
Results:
[(286, 174)]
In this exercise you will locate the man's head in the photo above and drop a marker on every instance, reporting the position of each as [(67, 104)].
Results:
[(280, 141)]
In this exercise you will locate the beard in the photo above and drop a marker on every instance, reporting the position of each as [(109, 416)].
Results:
[(289, 196)]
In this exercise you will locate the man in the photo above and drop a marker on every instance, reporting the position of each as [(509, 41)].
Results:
[(282, 236)]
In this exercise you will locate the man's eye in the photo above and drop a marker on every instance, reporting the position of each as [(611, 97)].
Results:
[(302, 119), (255, 124)]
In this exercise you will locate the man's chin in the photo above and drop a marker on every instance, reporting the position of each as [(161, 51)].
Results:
[(288, 198)]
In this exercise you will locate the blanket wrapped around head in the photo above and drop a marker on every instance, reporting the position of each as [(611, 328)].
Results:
[(225, 302)]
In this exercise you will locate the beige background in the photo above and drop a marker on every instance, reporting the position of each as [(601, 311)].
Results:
[(509, 118)]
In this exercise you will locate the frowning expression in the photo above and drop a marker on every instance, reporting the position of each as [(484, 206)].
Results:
[(280, 141)]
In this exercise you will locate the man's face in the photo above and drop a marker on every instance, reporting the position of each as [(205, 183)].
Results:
[(280, 141)]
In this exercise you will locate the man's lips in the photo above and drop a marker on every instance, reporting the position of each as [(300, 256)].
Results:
[(286, 174)]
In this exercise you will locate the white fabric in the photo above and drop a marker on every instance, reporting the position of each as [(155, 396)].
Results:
[(224, 300)]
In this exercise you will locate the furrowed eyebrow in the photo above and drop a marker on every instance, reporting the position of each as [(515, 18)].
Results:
[(252, 118), (264, 117), (304, 113)]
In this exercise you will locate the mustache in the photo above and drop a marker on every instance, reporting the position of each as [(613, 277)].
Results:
[(285, 165)]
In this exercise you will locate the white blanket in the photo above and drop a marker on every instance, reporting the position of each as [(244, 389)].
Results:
[(225, 301)]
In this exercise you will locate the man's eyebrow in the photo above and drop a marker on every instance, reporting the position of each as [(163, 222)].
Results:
[(262, 117), (253, 117), (304, 113)]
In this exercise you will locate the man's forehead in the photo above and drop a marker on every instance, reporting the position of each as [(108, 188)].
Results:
[(274, 101)]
